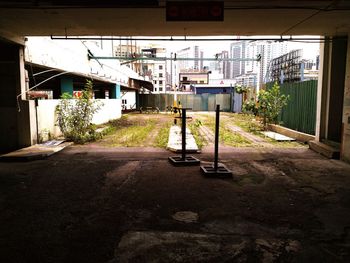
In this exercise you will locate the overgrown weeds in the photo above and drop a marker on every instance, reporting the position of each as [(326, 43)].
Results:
[(128, 132), (194, 128), (74, 116), (163, 136), (226, 136)]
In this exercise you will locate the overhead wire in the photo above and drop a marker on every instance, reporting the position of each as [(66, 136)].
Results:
[(285, 38)]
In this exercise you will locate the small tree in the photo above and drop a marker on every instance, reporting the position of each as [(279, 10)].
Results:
[(74, 116), (250, 106), (241, 89), (270, 104)]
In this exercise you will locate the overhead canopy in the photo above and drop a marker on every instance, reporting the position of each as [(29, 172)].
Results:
[(148, 18), (50, 71), (48, 78), (135, 83)]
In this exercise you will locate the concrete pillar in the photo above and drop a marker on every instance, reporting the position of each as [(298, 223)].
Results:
[(336, 94), (345, 146), (333, 95), (17, 121), (115, 92), (322, 91), (67, 85)]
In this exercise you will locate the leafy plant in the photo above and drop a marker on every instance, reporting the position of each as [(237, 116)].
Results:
[(198, 123), (250, 106), (270, 104), (241, 89), (74, 116)]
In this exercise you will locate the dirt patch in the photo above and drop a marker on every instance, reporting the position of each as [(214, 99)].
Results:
[(96, 204), (207, 134)]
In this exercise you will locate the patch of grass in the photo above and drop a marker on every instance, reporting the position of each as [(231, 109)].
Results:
[(226, 136), (163, 136), (232, 138), (247, 122), (108, 129), (194, 128), (129, 133)]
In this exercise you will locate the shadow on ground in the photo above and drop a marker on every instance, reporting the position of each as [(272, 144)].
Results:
[(95, 204)]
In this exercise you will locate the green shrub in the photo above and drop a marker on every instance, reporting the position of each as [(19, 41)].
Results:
[(271, 103), (241, 89), (250, 107), (268, 106), (74, 116)]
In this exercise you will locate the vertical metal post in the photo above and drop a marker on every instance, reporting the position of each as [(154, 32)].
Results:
[(171, 71), (217, 122), (37, 120), (183, 133)]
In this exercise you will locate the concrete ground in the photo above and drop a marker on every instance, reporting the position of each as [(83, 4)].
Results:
[(95, 204)]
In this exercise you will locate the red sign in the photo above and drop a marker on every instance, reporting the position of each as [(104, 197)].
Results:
[(77, 94), (194, 11)]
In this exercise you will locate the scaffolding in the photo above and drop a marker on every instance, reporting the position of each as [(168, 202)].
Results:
[(286, 68)]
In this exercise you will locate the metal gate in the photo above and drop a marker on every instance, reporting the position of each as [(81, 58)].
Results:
[(197, 102)]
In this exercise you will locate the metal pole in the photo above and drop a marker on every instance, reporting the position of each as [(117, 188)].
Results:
[(37, 120), (171, 70), (183, 133), (217, 122)]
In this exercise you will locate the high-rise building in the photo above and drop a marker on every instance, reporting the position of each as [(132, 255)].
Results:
[(224, 66), (152, 70), (237, 52), (250, 69), (201, 66), (155, 69), (188, 53), (128, 50), (270, 50)]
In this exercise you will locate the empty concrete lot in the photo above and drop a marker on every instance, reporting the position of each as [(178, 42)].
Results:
[(97, 204)]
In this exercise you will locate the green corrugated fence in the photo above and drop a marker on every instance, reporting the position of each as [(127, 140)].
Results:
[(197, 102), (300, 112)]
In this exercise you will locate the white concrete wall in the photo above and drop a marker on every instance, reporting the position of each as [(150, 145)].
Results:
[(110, 110), (47, 117), (130, 97)]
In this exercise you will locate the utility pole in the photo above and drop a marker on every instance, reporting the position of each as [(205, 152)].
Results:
[(171, 70)]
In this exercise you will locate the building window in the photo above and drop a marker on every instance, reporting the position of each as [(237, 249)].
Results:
[(155, 82), (160, 75), (160, 89), (160, 66), (124, 101), (155, 89), (161, 82)]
